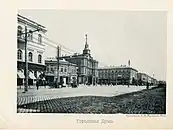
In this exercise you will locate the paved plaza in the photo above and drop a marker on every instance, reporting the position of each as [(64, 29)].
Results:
[(152, 101), (45, 94), (34, 95)]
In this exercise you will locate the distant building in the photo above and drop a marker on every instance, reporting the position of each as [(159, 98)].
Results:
[(143, 79), (87, 66), (117, 75), (35, 49), (67, 71)]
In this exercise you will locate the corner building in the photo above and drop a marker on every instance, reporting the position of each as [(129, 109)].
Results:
[(67, 71), (87, 67), (35, 50), (117, 75)]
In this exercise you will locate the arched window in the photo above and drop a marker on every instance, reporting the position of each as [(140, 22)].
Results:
[(30, 35), (19, 30), (65, 70), (61, 69), (39, 58), (52, 69), (39, 38), (30, 56), (19, 54)]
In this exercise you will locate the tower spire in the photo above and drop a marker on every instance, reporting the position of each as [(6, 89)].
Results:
[(86, 42), (86, 37), (86, 49)]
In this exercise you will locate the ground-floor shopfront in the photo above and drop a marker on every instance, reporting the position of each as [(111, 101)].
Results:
[(64, 80), (88, 80), (118, 81), (35, 72)]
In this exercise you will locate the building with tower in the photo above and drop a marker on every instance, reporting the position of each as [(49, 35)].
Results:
[(87, 72)]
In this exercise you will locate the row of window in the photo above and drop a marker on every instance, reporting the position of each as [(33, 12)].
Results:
[(89, 63), (114, 71), (61, 69), (113, 75), (30, 56), (30, 34)]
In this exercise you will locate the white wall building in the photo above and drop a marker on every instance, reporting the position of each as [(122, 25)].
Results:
[(67, 71), (35, 49)]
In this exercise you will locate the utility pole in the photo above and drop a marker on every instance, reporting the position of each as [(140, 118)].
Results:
[(26, 62), (58, 66), (26, 59)]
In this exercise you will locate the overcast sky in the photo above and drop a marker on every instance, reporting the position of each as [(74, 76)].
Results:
[(114, 37)]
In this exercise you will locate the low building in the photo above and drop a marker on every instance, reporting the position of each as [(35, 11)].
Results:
[(143, 79), (117, 75), (154, 81), (35, 50), (67, 71)]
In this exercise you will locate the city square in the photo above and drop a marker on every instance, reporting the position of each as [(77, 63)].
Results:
[(119, 76)]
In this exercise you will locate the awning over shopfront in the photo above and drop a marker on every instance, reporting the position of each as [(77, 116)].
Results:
[(20, 74), (38, 74), (31, 75)]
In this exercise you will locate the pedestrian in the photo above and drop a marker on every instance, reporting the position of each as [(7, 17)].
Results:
[(147, 85), (45, 83), (37, 84)]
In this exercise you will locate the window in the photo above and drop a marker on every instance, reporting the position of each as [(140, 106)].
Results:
[(30, 35), (65, 70), (52, 68), (61, 69), (39, 58), (39, 38), (30, 57), (19, 33), (47, 69), (19, 55)]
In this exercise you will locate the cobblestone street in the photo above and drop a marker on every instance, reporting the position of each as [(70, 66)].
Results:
[(151, 101), (46, 94)]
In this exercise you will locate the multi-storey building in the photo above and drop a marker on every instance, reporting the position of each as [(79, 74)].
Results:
[(87, 66), (35, 50), (143, 79), (117, 75), (67, 71)]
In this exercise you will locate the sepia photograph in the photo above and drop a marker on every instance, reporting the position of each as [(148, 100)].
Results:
[(91, 61)]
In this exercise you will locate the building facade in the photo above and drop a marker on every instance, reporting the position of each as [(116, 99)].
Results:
[(117, 75), (87, 66), (67, 71), (35, 50), (143, 79)]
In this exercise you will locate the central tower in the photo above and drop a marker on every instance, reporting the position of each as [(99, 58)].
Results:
[(86, 49)]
